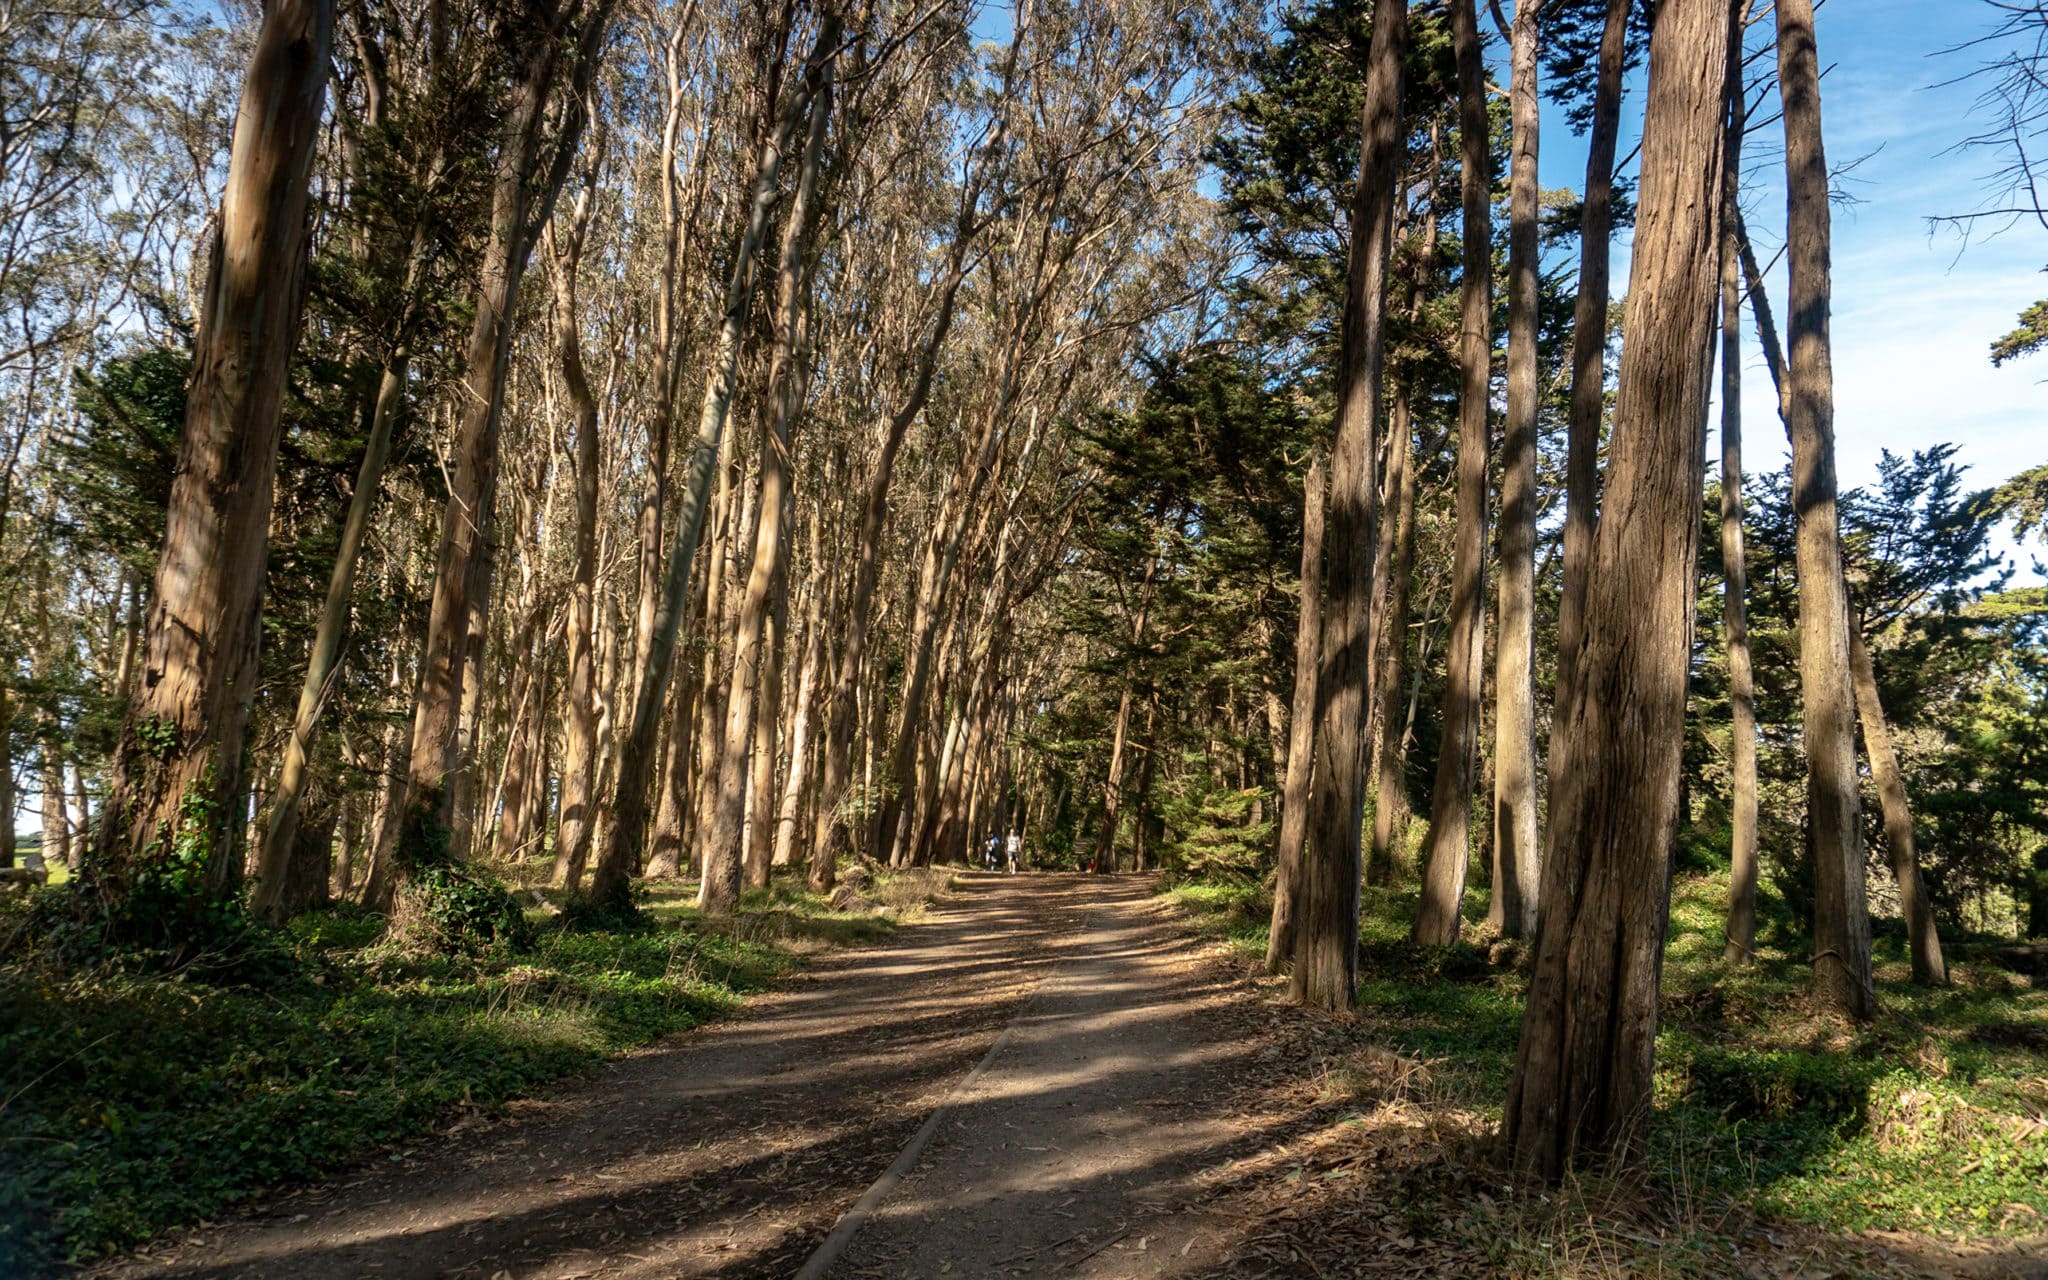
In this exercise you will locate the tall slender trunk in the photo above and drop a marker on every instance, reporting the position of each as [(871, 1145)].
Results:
[(665, 855), (942, 553), (580, 747), (760, 824), (1301, 720), (523, 193), (781, 403), (323, 663), (1390, 795), (1449, 846), (1589, 348), (1841, 917), (798, 780), (1929, 968), (1584, 1068), (636, 745), (662, 375), (1325, 970), (7, 841), (1512, 910), (829, 831), (177, 773), (1741, 930), (1113, 782)]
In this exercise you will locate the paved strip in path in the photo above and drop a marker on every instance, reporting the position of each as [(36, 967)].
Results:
[(732, 1150)]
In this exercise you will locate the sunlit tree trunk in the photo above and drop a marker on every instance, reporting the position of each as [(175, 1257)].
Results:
[(1325, 969), (1741, 930), (523, 192), (636, 746), (1448, 850), (1584, 1068), (1929, 968), (1841, 917), (783, 399), (1301, 720), (1512, 910), (1589, 346), (177, 779), (580, 752)]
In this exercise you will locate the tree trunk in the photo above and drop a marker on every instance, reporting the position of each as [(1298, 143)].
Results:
[(56, 846), (177, 778), (1449, 846), (1390, 797), (1588, 407), (580, 755), (665, 857), (1326, 916), (1741, 930), (7, 842), (523, 194), (1841, 918), (323, 663), (1583, 1071), (783, 399), (1301, 720), (1929, 968), (636, 745), (310, 868), (788, 814), (1512, 911)]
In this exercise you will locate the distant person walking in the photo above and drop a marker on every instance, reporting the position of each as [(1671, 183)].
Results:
[(991, 850), (1014, 848)]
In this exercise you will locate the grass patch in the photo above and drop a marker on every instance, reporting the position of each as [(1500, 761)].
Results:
[(1935, 1118), (130, 1104)]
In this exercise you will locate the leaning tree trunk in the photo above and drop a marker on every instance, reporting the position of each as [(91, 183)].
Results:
[(1326, 917), (323, 662), (177, 781), (1929, 968), (1584, 1069), (1301, 720), (1512, 910), (636, 745), (1841, 917), (1449, 847), (1588, 409), (1741, 929)]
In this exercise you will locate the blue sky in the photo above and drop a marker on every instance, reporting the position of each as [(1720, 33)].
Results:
[(1915, 308)]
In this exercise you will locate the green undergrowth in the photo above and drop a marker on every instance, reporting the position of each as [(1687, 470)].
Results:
[(131, 1103), (1934, 1118)]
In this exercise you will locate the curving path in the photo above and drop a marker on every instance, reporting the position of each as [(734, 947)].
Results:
[(734, 1150)]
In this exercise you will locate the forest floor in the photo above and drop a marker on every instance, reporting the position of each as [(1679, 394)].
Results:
[(1105, 1095)]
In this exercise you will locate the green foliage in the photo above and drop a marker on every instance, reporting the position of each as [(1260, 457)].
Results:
[(1932, 1118), (2030, 337), (1962, 671), (2025, 499), (1214, 835), (131, 1103), (461, 908)]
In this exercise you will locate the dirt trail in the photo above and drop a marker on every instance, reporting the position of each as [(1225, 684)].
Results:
[(733, 1150)]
